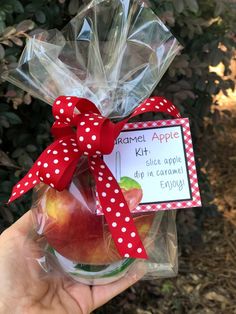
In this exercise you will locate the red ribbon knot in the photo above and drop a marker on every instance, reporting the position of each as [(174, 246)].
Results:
[(79, 129), (92, 134)]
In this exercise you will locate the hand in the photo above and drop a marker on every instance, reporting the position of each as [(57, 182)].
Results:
[(23, 289)]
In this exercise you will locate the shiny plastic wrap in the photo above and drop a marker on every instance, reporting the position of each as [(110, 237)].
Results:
[(80, 240), (113, 53)]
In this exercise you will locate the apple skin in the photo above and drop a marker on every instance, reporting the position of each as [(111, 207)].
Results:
[(133, 197), (77, 233), (132, 191)]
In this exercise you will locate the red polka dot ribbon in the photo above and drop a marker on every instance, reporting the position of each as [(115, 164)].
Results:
[(79, 129)]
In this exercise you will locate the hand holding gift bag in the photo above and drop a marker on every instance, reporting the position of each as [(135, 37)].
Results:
[(106, 62), (25, 289)]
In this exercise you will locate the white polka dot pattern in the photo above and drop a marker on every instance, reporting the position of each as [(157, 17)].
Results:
[(117, 213), (56, 165)]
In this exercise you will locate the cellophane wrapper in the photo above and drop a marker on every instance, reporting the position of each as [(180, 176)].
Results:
[(113, 53)]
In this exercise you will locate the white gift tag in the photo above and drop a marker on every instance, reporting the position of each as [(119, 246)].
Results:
[(156, 159)]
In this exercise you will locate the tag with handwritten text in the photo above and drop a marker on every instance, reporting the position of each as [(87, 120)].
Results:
[(154, 164)]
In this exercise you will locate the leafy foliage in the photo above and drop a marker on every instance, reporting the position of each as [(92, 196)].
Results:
[(205, 29)]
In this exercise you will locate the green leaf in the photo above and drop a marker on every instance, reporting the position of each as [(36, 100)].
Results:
[(25, 26), (3, 174), (31, 148), (3, 122), (5, 186), (219, 8), (216, 57), (167, 287), (32, 7), (5, 160), (179, 5), (10, 30), (25, 161), (18, 7), (17, 41), (7, 42), (12, 118), (192, 5), (4, 107), (18, 152), (2, 26), (40, 17), (7, 8), (2, 52), (73, 6)]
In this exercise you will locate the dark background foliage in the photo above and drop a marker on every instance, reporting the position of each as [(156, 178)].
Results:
[(205, 29)]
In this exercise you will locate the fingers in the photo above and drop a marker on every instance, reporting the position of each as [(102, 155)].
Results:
[(102, 294), (21, 227)]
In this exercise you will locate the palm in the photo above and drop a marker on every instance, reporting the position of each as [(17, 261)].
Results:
[(24, 288)]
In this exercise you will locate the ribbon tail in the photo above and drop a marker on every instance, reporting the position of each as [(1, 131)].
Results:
[(154, 104), (24, 185), (157, 104), (116, 212), (46, 168)]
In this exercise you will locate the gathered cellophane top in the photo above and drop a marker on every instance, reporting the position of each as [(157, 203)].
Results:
[(112, 52)]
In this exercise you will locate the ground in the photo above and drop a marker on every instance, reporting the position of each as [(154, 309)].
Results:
[(206, 283)]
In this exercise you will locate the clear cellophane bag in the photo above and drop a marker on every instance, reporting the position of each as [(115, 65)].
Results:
[(114, 53)]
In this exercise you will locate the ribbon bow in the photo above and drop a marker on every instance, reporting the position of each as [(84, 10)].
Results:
[(79, 129)]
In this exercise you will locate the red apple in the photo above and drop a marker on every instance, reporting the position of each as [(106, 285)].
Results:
[(76, 232)]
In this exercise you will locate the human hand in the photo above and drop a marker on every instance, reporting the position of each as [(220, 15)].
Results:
[(23, 290)]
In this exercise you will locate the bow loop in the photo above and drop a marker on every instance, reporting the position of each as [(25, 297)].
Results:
[(64, 110), (95, 134)]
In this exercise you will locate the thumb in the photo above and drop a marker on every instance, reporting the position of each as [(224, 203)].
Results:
[(24, 224)]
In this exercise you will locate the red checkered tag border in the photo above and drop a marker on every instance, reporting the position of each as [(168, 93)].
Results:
[(191, 167)]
